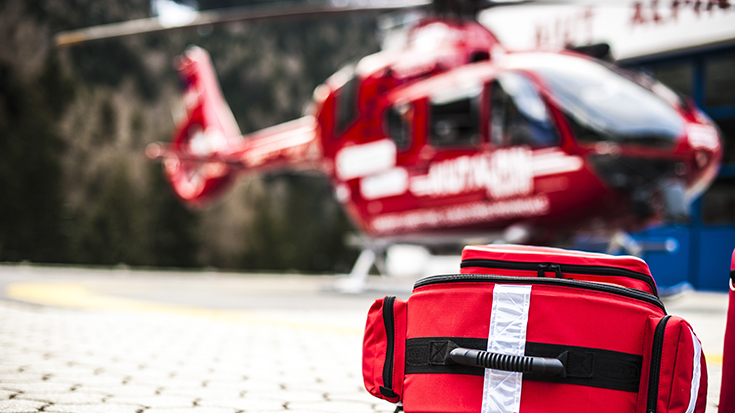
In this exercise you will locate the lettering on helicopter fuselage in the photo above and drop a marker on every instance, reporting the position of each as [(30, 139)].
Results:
[(505, 173), (467, 214)]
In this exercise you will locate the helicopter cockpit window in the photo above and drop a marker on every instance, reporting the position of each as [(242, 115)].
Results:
[(602, 105), (455, 117), (519, 116), (396, 125), (346, 104)]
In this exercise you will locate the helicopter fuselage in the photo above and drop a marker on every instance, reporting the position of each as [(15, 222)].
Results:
[(454, 134)]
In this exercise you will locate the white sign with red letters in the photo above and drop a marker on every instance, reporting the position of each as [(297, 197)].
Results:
[(632, 28)]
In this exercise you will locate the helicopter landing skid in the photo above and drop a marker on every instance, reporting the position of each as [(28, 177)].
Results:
[(355, 282), (622, 241), (424, 254)]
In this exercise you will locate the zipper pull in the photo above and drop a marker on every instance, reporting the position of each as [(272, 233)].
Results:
[(555, 268)]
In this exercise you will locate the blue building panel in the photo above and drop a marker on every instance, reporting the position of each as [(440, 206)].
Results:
[(715, 251), (667, 254)]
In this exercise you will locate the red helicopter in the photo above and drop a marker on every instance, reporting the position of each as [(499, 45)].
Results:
[(454, 139)]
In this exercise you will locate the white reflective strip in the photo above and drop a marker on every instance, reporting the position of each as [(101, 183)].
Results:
[(508, 322), (696, 373)]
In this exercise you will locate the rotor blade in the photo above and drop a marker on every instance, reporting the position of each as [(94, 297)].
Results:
[(246, 13)]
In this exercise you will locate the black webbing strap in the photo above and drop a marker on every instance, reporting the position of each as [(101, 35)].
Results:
[(583, 366)]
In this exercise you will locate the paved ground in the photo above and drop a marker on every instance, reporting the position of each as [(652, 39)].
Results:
[(74, 340)]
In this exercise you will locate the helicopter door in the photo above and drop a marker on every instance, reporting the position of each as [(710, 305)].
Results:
[(451, 163), (518, 114), (454, 118)]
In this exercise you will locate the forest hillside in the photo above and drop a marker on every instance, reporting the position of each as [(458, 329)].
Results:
[(76, 187)]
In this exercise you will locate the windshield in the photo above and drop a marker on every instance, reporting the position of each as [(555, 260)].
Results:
[(518, 115), (601, 105)]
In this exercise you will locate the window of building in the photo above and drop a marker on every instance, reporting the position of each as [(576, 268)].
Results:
[(727, 128), (397, 125), (719, 81), (718, 203), (518, 114), (455, 117), (677, 76)]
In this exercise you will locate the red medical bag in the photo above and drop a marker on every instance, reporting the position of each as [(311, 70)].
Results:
[(561, 331)]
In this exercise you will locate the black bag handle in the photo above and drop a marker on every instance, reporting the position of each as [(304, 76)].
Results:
[(555, 268), (521, 364)]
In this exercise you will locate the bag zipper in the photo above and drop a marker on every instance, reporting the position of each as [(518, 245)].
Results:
[(656, 354), (565, 268), (614, 289), (390, 334)]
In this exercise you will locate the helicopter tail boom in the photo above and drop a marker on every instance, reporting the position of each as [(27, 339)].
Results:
[(291, 145)]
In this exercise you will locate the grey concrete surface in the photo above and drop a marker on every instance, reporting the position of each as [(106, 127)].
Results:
[(79, 340)]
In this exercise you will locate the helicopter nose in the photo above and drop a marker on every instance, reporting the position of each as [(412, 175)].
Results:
[(655, 187), (675, 206), (665, 198), (628, 173)]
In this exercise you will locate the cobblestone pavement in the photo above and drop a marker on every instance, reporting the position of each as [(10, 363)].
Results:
[(121, 355), (98, 349)]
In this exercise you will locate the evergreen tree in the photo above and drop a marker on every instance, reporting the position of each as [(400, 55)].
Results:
[(31, 205)]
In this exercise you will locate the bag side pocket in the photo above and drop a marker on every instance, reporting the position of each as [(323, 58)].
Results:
[(679, 384), (384, 349)]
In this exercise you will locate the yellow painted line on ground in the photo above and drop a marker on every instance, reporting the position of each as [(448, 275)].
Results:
[(77, 295), (713, 359)]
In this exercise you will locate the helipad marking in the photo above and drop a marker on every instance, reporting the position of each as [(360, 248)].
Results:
[(713, 358), (77, 295)]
